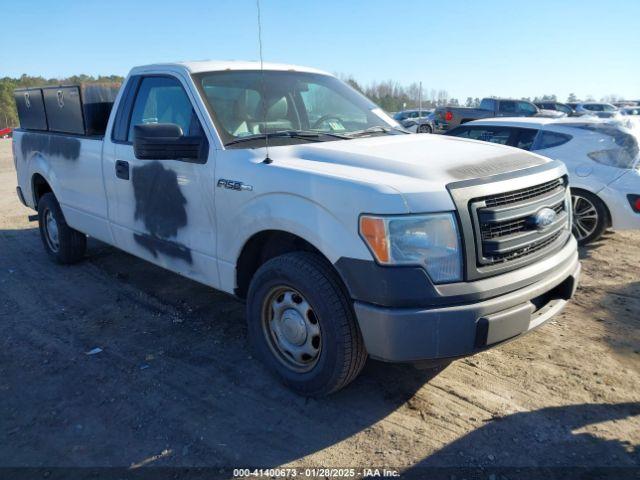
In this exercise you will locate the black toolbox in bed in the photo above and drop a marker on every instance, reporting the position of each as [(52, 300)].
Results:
[(30, 106), (73, 109)]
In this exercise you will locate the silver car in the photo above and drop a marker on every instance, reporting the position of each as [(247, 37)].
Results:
[(415, 120), (601, 110)]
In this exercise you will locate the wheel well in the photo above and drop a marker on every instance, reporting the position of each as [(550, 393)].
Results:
[(606, 208), (262, 247), (39, 188)]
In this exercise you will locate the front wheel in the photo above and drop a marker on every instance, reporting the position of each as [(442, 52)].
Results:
[(590, 218), (301, 324)]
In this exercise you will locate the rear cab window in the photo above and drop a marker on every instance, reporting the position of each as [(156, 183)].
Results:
[(488, 104), (508, 106), (526, 108)]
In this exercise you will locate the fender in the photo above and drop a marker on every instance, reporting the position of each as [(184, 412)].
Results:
[(37, 164), (294, 214)]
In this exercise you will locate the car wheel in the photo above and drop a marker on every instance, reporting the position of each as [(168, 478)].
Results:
[(590, 217), (63, 244), (302, 326), (424, 128)]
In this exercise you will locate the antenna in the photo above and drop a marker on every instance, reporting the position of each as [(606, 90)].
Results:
[(266, 160)]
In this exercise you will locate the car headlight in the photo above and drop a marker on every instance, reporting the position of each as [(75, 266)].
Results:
[(430, 241)]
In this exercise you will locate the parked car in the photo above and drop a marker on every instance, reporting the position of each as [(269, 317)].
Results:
[(600, 110), (633, 111), (601, 157), (5, 132), (346, 236), (450, 117), (626, 103), (560, 107), (416, 121)]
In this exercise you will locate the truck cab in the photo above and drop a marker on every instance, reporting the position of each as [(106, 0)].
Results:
[(346, 237)]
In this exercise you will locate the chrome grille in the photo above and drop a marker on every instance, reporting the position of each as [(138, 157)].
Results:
[(493, 211), (528, 250), (496, 230), (523, 193), (505, 224)]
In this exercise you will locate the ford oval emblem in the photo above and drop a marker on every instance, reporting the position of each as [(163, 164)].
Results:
[(543, 218)]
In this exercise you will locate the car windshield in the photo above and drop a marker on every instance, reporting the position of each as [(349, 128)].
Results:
[(289, 107)]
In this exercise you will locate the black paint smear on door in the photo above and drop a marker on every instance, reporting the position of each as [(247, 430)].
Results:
[(160, 205)]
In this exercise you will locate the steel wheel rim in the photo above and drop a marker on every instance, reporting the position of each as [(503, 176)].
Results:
[(52, 234), (291, 328), (585, 217)]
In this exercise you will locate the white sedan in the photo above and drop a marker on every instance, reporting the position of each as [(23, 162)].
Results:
[(601, 156)]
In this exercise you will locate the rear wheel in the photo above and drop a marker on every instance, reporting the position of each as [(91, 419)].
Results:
[(590, 217), (301, 324), (63, 244)]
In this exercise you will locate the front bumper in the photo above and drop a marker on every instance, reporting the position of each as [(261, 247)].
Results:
[(414, 334)]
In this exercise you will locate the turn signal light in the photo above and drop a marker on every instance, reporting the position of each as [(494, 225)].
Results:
[(374, 232)]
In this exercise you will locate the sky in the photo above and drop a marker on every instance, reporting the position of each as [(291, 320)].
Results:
[(517, 48)]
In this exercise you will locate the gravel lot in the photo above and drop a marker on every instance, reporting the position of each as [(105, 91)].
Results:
[(175, 383)]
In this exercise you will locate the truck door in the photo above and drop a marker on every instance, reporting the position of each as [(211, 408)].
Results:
[(162, 210)]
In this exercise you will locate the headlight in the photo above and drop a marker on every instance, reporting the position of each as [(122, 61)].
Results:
[(430, 241)]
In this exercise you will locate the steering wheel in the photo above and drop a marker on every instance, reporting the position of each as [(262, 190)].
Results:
[(323, 119)]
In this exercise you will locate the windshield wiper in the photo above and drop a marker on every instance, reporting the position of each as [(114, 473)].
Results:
[(301, 134), (376, 129)]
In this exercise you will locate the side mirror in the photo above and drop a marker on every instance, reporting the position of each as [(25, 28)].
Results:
[(165, 141)]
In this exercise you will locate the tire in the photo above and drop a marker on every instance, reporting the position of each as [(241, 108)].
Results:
[(424, 128), (63, 244), (590, 216), (330, 334)]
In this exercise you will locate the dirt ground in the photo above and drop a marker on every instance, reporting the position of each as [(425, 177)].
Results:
[(175, 383)]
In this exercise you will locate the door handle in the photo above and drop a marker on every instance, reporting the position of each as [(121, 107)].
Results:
[(122, 169)]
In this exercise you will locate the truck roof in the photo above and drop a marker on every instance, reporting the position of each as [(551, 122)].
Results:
[(219, 65)]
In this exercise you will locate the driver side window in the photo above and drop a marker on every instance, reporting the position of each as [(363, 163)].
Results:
[(163, 100)]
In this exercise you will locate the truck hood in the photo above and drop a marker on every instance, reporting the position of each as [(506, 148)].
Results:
[(416, 166)]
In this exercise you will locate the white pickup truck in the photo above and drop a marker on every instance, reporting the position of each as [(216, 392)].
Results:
[(346, 236)]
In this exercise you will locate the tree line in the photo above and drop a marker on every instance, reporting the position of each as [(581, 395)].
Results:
[(8, 112), (392, 96)]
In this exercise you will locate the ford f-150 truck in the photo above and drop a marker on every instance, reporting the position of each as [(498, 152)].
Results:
[(346, 236), (450, 117)]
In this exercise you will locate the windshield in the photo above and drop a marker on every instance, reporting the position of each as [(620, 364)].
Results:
[(247, 104)]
